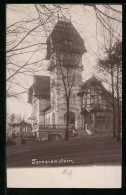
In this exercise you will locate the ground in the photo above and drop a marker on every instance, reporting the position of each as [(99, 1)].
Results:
[(88, 150)]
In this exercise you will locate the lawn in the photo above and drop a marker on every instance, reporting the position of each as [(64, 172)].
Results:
[(88, 150)]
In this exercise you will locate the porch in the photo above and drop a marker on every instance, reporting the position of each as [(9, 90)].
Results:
[(97, 119)]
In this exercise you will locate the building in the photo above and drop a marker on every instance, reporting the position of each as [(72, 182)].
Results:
[(48, 94), (96, 105), (21, 126), (19, 129)]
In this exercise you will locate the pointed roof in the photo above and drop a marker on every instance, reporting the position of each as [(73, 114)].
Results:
[(65, 37)]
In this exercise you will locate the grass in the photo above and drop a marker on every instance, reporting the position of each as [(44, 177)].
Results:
[(88, 150)]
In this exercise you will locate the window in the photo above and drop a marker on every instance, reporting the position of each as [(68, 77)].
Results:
[(96, 100), (53, 118), (92, 115), (108, 115), (92, 100), (49, 120), (92, 90), (104, 104), (68, 42), (53, 99), (84, 100), (100, 118)]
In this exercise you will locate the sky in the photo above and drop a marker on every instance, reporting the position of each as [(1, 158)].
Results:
[(85, 23)]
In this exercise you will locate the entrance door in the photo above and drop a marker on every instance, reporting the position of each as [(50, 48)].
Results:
[(87, 118), (71, 118)]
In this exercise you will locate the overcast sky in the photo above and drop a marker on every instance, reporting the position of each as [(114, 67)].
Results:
[(84, 21)]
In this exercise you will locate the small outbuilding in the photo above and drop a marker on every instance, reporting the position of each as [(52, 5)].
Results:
[(21, 127)]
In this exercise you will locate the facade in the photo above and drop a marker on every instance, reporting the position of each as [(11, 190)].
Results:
[(39, 98), (96, 105), (48, 94)]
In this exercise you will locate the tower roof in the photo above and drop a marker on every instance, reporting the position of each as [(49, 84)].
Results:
[(65, 37)]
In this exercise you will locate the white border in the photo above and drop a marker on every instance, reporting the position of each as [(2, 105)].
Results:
[(81, 177)]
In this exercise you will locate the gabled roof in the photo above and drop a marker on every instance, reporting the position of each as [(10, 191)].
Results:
[(23, 122), (62, 32), (41, 87), (20, 123), (91, 80)]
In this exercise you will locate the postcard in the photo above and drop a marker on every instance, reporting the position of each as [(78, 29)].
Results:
[(64, 95)]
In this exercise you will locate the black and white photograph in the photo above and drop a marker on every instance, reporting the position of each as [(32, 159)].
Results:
[(64, 95)]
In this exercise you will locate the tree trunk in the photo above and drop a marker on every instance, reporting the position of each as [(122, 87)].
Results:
[(113, 103), (67, 125), (118, 107)]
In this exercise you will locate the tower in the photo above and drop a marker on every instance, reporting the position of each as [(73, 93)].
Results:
[(65, 48)]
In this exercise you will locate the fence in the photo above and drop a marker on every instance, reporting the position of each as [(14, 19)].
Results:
[(27, 135), (50, 127)]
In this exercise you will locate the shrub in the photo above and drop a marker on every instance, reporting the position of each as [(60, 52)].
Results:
[(10, 142), (23, 141)]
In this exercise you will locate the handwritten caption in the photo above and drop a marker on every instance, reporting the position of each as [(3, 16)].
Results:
[(67, 172)]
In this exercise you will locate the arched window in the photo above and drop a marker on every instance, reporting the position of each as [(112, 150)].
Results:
[(53, 99), (49, 120), (53, 118), (45, 120)]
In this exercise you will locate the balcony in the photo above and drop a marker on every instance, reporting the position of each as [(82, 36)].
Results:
[(50, 127), (95, 107)]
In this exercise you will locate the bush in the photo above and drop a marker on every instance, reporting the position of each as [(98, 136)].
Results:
[(23, 141), (10, 142), (21, 136)]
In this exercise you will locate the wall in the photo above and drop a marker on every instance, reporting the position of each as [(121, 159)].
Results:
[(35, 110), (43, 104)]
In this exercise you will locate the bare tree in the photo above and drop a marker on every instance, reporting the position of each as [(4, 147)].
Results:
[(107, 14), (108, 63), (26, 38), (26, 44), (117, 55), (67, 84)]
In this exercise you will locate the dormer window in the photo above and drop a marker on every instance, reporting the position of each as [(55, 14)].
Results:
[(68, 42)]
